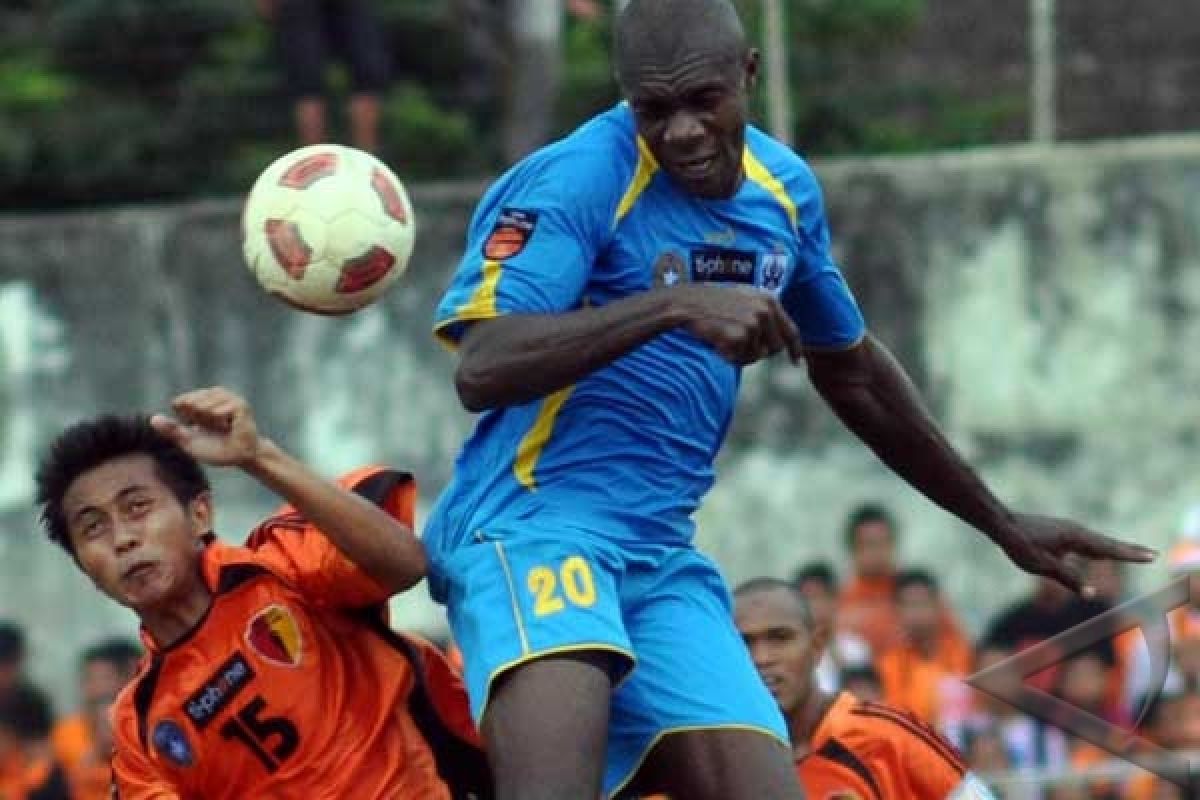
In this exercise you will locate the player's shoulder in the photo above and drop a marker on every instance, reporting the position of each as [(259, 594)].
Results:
[(595, 161), (899, 736), (783, 164)]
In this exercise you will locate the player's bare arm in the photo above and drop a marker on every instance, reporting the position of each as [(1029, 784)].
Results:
[(870, 392), (217, 427), (520, 357)]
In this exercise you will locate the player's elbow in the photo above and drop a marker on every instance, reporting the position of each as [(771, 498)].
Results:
[(471, 384)]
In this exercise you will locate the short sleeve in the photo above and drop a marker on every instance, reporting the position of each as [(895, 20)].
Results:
[(533, 240), (817, 297), (302, 555)]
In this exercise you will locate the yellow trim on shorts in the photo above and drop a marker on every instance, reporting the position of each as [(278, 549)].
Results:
[(480, 305), (658, 737), (647, 166), (530, 448), (528, 657), (756, 172), (512, 597)]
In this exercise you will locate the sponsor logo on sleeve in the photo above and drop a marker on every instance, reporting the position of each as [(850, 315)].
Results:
[(774, 270), (512, 231)]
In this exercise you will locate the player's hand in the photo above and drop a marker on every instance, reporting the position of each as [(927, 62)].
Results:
[(1046, 546), (744, 325), (214, 425)]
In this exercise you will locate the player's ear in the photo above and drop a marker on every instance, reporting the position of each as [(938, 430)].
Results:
[(750, 68), (200, 515)]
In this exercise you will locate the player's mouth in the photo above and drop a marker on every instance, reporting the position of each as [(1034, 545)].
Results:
[(139, 572), (694, 169)]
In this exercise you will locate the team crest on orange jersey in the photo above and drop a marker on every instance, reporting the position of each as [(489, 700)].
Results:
[(275, 635)]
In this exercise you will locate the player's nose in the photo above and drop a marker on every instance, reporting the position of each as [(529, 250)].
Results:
[(683, 131), (126, 536)]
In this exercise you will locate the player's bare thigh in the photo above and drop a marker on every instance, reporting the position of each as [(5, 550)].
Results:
[(546, 727), (719, 764)]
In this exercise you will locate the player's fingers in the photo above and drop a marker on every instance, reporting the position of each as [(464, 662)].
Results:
[(791, 334), (168, 427), (772, 333), (1098, 546), (1068, 574)]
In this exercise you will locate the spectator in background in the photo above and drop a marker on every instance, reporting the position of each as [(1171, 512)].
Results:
[(866, 604), (843, 746), (1028, 743), (83, 742), (863, 682), (1050, 610), (818, 584), (28, 770), (307, 32), (923, 674), (12, 656)]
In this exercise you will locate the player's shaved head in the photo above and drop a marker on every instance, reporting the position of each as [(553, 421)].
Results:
[(794, 601), (671, 31)]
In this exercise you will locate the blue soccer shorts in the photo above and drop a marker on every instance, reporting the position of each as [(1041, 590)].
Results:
[(516, 595)]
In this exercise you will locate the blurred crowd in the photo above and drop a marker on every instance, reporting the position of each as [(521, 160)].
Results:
[(48, 756), (895, 638)]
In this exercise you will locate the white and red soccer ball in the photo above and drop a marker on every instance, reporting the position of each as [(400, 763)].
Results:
[(327, 229)]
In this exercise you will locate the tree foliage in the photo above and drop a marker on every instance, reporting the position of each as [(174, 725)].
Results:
[(112, 101)]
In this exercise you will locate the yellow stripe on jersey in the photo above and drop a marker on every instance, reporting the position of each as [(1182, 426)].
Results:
[(756, 172), (531, 447), (646, 167), (480, 305)]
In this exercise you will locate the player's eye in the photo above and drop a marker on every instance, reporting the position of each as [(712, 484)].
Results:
[(93, 528), (706, 100), (139, 505)]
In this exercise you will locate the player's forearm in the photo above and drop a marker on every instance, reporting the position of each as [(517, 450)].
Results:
[(520, 357), (380, 545), (873, 396)]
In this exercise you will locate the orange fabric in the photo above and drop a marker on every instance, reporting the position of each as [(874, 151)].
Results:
[(71, 740), (914, 683), (20, 776), (284, 686), (901, 755), (1185, 623), (866, 607), (89, 774)]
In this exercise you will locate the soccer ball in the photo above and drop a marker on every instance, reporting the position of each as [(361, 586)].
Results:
[(327, 229)]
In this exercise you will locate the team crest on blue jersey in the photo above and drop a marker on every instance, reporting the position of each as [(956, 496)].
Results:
[(774, 269), (669, 270), (170, 740)]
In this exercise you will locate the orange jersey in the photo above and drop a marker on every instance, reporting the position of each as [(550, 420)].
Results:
[(867, 751), (71, 740), (293, 686)]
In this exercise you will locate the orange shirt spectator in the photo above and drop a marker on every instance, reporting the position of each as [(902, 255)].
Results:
[(921, 674), (27, 769)]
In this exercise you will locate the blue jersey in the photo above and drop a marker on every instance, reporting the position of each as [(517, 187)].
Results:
[(628, 451)]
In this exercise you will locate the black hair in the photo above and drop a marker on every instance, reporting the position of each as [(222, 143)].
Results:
[(26, 711), (672, 28), (94, 442), (819, 571), (762, 585), (12, 642), (863, 515), (121, 653), (916, 577), (860, 672)]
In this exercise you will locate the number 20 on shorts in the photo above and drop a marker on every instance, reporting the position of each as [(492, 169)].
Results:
[(552, 590)]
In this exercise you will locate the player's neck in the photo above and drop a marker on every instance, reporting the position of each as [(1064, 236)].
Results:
[(173, 621), (804, 721)]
